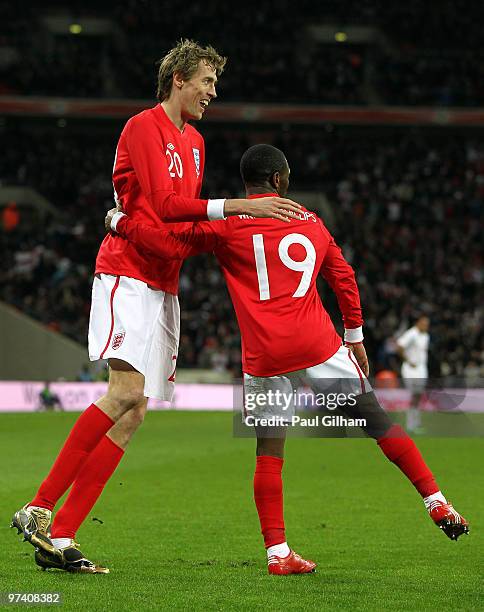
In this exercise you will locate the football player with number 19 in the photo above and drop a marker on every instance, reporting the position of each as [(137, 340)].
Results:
[(271, 270)]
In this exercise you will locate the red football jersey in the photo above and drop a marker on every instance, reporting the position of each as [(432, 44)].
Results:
[(271, 269), (157, 173)]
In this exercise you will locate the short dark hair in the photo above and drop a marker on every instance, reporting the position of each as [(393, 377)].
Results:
[(260, 162), (419, 316), (185, 58)]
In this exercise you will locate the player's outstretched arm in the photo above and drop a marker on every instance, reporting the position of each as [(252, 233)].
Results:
[(168, 244), (146, 153), (271, 207)]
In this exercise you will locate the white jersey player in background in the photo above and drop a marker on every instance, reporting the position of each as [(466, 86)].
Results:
[(413, 348)]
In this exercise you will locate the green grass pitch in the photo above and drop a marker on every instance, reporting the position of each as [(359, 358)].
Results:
[(179, 528)]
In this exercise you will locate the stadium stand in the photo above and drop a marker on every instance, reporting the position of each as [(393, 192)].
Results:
[(371, 52)]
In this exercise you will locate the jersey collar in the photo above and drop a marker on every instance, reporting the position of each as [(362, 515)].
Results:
[(163, 117), (262, 195)]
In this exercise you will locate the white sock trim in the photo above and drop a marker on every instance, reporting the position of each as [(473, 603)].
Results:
[(278, 550), (61, 542), (434, 497)]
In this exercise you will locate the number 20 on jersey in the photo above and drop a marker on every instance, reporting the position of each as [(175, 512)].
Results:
[(175, 166)]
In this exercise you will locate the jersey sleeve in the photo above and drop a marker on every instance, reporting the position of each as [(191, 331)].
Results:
[(170, 244), (406, 339), (147, 155), (341, 278)]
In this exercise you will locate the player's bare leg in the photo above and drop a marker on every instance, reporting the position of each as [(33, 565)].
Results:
[(122, 432), (270, 441), (269, 501), (125, 392), (414, 421)]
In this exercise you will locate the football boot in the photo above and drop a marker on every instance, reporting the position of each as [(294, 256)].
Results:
[(292, 564)]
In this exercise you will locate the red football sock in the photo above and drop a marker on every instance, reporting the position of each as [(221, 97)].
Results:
[(402, 451), (87, 488), (268, 499), (88, 430)]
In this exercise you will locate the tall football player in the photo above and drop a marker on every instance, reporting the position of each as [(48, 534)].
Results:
[(271, 271), (134, 323)]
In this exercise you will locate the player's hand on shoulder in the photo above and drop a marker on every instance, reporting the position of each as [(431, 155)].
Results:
[(358, 350), (273, 208)]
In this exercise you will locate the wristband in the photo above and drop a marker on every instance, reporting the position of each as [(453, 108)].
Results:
[(354, 336), (215, 209), (116, 217)]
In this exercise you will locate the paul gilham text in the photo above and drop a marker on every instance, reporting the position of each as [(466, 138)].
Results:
[(335, 420)]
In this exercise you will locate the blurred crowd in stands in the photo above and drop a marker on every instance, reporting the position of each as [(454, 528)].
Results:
[(406, 206), (411, 53)]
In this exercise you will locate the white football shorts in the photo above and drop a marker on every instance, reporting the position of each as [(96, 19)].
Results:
[(414, 379), (138, 324), (338, 374)]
